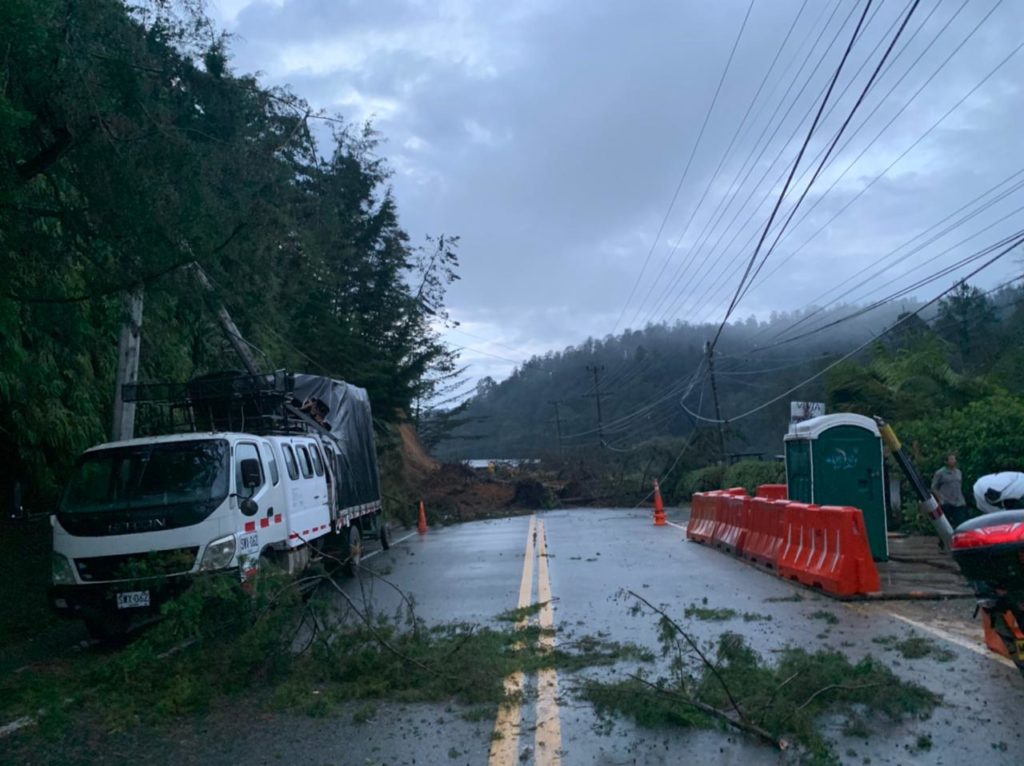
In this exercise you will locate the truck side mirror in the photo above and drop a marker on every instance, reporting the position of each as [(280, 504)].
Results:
[(250, 471), (249, 507), (17, 510)]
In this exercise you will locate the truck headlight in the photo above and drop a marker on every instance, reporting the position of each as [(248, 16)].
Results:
[(219, 553), (63, 574)]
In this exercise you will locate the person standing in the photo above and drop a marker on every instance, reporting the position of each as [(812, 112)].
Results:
[(947, 486)]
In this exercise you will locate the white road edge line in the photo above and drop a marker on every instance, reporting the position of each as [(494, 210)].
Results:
[(977, 648), (399, 541)]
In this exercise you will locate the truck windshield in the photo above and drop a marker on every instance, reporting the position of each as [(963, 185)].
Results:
[(148, 475)]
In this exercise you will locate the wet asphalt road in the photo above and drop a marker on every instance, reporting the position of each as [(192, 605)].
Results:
[(472, 572)]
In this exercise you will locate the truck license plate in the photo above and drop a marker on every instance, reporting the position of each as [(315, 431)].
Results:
[(132, 599)]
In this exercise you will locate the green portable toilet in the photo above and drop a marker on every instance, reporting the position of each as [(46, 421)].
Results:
[(838, 460)]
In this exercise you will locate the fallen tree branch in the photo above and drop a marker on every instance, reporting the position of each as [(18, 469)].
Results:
[(737, 723), (692, 642)]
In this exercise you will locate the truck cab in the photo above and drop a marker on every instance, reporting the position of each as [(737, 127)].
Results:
[(140, 518)]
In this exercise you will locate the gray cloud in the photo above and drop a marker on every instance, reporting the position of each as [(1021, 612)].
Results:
[(551, 136)]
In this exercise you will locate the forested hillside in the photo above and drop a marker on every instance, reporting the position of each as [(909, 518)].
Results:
[(128, 149), (915, 369)]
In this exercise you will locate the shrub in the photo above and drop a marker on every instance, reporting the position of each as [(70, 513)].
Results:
[(987, 436), (702, 480), (750, 474)]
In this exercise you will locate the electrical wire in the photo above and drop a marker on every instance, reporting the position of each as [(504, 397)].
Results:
[(689, 162), (913, 145), (862, 346), (678, 304)]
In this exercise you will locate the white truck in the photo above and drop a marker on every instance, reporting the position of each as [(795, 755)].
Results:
[(277, 467)]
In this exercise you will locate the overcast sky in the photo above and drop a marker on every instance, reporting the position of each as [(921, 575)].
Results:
[(551, 135)]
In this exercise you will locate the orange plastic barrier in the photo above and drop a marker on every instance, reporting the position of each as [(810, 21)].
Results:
[(701, 526), (731, 530), (773, 491), (992, 639), (826, 547), (765, 536)]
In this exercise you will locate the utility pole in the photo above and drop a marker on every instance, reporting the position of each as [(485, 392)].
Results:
[(710, 351), (129, 345), (596, 371), (558, 421), (226, 322)]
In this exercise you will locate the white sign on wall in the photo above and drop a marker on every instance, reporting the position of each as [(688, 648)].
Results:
[(799, 411)]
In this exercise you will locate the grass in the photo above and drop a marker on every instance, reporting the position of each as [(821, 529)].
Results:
[(793, 598), (709, 614), (787, 697), (825, 616), (780, 700), (521, 613), (25, 572), (260, 649), (915, 648)]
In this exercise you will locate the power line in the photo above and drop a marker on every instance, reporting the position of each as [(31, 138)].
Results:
[(751, 162), (676, 305), (721, 161), (867, 343), (796, 164), (686, 169), (831, 146), (903, 154)]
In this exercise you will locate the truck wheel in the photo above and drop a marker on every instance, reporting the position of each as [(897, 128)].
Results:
[(383, 534), (353, 551)]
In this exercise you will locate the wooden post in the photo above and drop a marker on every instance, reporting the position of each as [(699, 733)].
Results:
[(129, 345), (226, 322)]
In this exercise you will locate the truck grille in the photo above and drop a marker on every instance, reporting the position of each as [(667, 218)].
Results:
[(137, 565)]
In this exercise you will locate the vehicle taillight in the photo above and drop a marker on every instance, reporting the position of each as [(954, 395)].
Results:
[(1000, 534)]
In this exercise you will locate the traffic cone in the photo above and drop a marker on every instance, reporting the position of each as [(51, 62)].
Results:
[(659, 506), (422, 526)]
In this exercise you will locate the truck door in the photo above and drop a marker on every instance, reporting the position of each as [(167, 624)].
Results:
[(254, 485)]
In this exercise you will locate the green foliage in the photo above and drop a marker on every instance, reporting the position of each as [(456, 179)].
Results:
[(708, 613), (987, 435), (219, 642), (128, 148), (787, 698), (750, 474), (702, 480)]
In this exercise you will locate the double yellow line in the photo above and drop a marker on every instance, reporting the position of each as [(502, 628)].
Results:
[(508, 724)]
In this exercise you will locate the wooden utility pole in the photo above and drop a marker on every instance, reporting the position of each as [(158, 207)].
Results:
[(129, 344), (710, 351), (558, 421), (226, 322), (596, 371)]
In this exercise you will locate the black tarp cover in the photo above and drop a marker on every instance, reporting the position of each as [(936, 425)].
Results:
[(352, 433)]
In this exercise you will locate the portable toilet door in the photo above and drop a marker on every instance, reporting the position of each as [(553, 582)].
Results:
[(844, 458)]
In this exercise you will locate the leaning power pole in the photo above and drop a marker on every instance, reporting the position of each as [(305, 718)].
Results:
[(129, 345), (558, 422), (596, 371), (710, 351)]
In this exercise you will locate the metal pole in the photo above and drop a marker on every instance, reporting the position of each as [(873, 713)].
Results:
[(129, 345), (710, 351)]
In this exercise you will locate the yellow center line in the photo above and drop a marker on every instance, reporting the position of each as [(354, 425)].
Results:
[(549, 727), (505, 743)]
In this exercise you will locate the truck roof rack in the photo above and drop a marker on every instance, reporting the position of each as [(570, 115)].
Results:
[(221, 401)]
